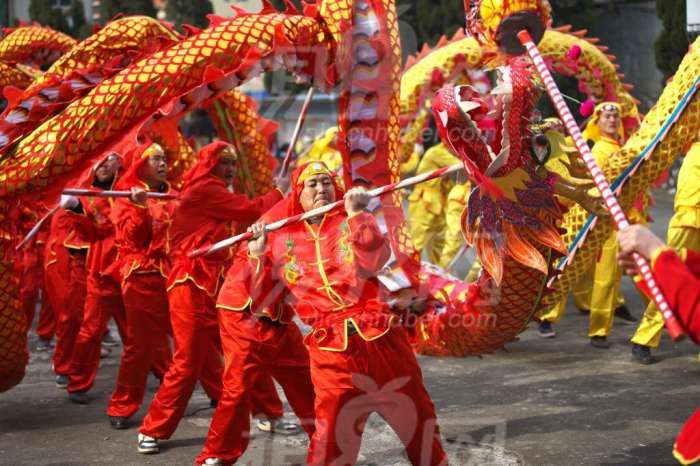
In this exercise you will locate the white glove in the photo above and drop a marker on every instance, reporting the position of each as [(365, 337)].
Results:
[(69, 202), (418, 149)]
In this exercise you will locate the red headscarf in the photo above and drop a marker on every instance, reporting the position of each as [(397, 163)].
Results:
[(135, 159), (87, 178), (290, 205), (207, 157)]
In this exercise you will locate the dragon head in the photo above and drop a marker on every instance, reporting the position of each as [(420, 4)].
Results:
[(511, 211)]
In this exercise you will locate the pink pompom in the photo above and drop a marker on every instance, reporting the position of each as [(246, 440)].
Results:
[(587, 108), (574, 52)]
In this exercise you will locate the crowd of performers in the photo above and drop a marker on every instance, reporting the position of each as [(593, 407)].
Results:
[(225, 320)]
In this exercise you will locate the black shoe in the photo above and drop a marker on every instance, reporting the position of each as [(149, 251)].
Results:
[(79, 398), (623, 313), (44, 344), (61, 381), (600, 342), (583, 311), (642, 354), (118, 422), (213, 403), (546, 330), (108, 340)]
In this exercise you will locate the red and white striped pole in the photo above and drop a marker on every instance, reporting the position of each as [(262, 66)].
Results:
[(99, 193), (672, 325), (327, 208)]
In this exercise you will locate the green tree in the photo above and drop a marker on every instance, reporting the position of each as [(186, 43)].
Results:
[(110, 8), (188, 12), (672, 44), (43, 13), (77, 15)]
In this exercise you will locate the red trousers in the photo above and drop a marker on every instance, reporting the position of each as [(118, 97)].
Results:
[(147, 329), (31, 283), (687, 447), (251, 344), (65, 289), (197, 356), (103, 301), (197, 352), (371, 376)]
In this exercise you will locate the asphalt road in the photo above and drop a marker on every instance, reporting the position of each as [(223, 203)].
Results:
[(539, 402)]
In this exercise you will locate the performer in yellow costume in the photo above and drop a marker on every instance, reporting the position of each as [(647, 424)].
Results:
[(683, 233), (324, 149), (605, 131), (454, 239), (426, 204)]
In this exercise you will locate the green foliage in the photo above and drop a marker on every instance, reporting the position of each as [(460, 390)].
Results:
[(188, 12), (110, 8), (672, 44), (77, 15), (43, 13)]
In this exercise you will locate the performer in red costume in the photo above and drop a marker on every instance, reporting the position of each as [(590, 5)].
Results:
[(30, 268), (678, 276), (141, 230), (64, 275), (360, 362), (208, 211), (257, 338), (103, 298)]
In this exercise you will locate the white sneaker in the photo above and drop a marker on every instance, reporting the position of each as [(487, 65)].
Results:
[(147, 445), (279, 426), (212, 462)]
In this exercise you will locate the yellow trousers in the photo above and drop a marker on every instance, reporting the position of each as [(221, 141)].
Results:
[(582, 297), (649, 331), (427, 230), (597, 291)]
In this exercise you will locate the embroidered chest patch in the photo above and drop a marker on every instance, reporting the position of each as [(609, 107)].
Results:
[(345, 254), (291, 268)]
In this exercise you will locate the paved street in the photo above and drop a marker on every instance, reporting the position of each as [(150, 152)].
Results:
[(540, 402)]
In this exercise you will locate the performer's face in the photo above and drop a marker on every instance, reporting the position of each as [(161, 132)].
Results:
[(107, 169), (609, 122), (225, 168), (318, 191), (156, 169)]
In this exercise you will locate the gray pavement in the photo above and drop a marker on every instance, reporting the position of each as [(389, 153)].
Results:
[(539, 402)]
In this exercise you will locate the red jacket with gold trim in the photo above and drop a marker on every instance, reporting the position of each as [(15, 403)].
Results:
[(141, 235), (208, 212), (328, 268)]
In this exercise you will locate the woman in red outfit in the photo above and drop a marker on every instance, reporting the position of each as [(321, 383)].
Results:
[(64, 275), (678, 275), (360, 362), (207, 212), (141, 227), (103, 299)]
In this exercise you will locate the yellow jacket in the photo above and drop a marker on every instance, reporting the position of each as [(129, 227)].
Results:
[(687, 201), (433, 193), (409, 166), (456, 203), (603, 149)]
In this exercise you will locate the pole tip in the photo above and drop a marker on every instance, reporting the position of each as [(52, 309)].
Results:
[(524, 36)]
